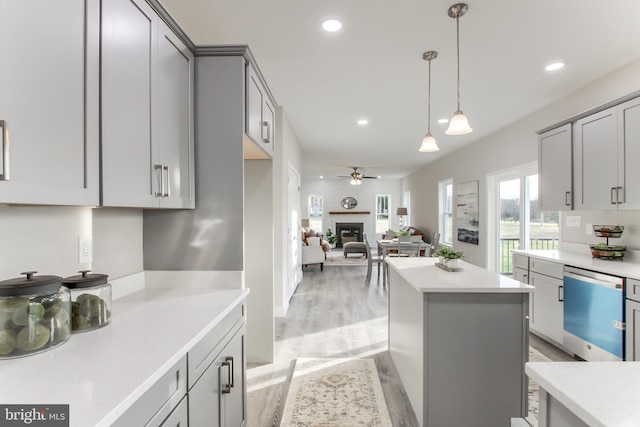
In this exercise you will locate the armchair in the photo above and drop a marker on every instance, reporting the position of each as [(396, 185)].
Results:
[(313, 253)]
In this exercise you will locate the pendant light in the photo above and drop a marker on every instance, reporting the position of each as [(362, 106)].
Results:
[(429, 142), (459, 124)]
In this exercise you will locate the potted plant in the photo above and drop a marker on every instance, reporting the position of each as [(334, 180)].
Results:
[(332, 238), (403, 235), (448, 256)]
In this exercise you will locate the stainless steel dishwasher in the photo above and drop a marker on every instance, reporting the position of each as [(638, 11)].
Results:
[(594, 317)]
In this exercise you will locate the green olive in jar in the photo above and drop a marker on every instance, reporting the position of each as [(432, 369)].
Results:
[(32, 338), (7, 342)]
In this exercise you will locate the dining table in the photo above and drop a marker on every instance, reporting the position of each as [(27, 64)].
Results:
[(410, 248)]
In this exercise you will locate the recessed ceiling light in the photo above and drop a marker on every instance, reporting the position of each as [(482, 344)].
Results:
[(554, 66), (442, 121), (332, 25), (363, 122), (321, 177)]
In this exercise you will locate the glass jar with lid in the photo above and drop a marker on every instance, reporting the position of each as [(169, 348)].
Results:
[(90, 300), (34, 314)]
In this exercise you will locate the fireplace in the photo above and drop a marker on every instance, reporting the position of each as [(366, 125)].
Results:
[(349, 232)]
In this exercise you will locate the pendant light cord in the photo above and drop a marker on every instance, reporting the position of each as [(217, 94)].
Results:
[(429, 103), (458, 50)]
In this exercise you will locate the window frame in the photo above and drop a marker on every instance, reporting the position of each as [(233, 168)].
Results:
[(377, 213)]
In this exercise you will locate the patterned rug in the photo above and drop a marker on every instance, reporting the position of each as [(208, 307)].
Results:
[(534, 356), (335, 392), (336, 257)]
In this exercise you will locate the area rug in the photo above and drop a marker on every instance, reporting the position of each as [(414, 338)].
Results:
[(532, 418), (335, 392), (336, 258)]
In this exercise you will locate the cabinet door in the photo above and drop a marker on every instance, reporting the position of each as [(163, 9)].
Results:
[(268, 125), (254, 106), (629, 173), (175, 121), (632, 339), (49, 101), (596, 161), (129, 52), (521, 275), (205, 397), (547, 307), (555, 171), (234, 404)]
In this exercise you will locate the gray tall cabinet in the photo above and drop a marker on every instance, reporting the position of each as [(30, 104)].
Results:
[(49, 102)]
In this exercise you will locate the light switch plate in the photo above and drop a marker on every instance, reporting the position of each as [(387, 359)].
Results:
[(85, 249), (588, 228), (573, 220)]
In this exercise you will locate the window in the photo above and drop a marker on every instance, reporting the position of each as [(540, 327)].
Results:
[(517, 221), (445, 208), (382, 213), (314, 211)]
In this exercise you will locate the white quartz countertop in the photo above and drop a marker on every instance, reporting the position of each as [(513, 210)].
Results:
[(425, 276), (101, 373), (623, 268), (602, 394)]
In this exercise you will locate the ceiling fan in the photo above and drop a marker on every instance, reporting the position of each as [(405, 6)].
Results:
[(357, 177)]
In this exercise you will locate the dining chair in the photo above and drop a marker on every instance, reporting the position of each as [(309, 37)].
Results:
[(371, 259)]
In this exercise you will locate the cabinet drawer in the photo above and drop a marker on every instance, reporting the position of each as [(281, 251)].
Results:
[(633, 289), (153, 407), (179, 417), (203, 353), (549, 268), (521, 261), (521, 275)]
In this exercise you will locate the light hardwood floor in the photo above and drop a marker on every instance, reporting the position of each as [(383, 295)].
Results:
[(334, 313)]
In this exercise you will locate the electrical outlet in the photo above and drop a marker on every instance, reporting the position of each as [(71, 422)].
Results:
[(573, 221), (85, 249)]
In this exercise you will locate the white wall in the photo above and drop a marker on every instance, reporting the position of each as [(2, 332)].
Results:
[(45, 239), (333, 191), (514, 145), (288, 154)]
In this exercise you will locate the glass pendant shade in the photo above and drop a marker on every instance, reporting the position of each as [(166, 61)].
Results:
[(459, 124), (429, 144)]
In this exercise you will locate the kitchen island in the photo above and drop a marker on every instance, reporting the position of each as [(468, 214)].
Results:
[(596, 394), (103, 374), (459, 341)]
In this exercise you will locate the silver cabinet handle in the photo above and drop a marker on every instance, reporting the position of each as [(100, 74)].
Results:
[(4, 176), (267, 126), (227, 388), (567, 198), (619, 199), (166, 190), (560, 290), (160, 182), (613, 190)]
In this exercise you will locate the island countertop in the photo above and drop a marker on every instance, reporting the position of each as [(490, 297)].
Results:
[(423, 274), (101, 373), (602, 394)]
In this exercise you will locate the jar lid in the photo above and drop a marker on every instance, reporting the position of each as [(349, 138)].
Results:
[(84, 280), (30, 285)]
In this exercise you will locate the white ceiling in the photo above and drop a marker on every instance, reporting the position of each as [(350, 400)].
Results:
[(373, 67)]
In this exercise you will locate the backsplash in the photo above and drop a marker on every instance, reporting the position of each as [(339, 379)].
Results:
[(629, 219)]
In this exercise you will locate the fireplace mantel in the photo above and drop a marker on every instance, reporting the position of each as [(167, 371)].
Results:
[(349, 213)]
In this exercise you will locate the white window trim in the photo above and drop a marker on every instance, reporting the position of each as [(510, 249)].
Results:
[(442, 185)]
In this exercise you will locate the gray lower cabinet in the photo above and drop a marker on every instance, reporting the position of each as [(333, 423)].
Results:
[(49, 102), (217, 367), (632, 320), (147, 110), (547, 315), (159, 402)]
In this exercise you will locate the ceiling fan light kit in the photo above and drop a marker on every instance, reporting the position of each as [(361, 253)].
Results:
[(429, 142), (459, 124)]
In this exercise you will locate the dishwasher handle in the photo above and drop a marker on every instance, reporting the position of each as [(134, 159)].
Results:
[(612, 282)]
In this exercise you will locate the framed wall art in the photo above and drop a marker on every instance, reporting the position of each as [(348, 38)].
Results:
[(467, 212)]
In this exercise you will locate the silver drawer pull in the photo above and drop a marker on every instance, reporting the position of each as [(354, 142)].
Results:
[(227, 388), (4, 176), (567, 198), (166, 190), (266, 126)]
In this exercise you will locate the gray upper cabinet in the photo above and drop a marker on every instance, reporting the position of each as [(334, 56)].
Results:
[(554, 163), (596, 161), (49, 102), (147, 110), (606, 147), (260, 113), (629, 154)]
